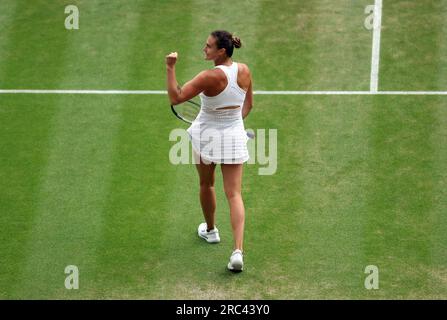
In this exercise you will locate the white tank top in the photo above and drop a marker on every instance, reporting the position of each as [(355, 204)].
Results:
[(227, 126), (232, 95)]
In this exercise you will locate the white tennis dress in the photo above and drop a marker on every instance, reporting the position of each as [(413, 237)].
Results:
[(219, 135)]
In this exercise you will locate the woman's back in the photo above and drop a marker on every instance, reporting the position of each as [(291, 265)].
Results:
[(227, 92), (219, 79)]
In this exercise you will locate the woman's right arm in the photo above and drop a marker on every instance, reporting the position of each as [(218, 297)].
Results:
[(191, 89)]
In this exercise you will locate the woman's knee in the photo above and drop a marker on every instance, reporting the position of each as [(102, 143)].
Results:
[(232, 193), (206, 184)]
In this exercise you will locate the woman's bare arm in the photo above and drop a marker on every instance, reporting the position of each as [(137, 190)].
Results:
[(248, 103), (191, 89)]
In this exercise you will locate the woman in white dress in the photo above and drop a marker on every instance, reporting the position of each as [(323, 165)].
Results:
[(218, 135)]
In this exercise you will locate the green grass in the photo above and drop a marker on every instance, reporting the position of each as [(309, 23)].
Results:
[(86, 180)]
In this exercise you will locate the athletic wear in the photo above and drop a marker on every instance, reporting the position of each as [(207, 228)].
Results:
[(211, 236), (232, 95), (236, 261), (219, 135)]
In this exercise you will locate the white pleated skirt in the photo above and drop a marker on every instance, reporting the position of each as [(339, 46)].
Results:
[(219, 136)]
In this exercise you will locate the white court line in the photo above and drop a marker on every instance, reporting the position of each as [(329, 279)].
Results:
[(375, 59), (164, 92), (351, 93), (32, 91)]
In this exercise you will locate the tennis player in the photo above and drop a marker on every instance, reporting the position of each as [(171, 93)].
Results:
[(226, 99)]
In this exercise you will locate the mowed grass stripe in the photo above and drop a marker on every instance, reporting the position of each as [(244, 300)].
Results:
[(68, 221), (8, 13), (438, 270), (143, 209), (23, 146), (17, 182), (282, 32), (333, 179), (74, 188), (27, 155), (136, 214), (311, 37), (401, 194), (120, 37), (26, 60), (340, 45), (412, 34)]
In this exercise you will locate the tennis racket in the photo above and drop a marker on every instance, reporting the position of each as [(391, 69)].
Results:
[(188, 111)]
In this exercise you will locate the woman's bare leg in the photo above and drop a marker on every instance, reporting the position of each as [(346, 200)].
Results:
[(207, 192), (232, 176)]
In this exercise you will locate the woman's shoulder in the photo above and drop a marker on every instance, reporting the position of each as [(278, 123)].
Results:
[(210, 74), (243, 69), (212, 77), (242, 66)]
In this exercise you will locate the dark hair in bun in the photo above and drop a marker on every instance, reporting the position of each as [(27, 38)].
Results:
[(236, 42), (224, 39)]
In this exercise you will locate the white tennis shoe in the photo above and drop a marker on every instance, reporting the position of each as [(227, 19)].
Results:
[(211, 236), (236, 261)]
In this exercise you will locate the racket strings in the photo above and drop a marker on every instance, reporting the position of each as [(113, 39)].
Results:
[(188, 112)]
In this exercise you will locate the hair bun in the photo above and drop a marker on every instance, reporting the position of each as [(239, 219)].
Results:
[(236, 42)]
